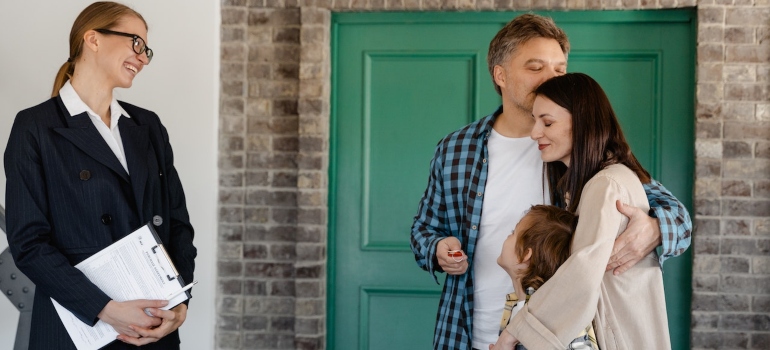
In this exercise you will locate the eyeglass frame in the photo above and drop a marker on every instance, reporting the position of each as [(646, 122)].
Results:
[(147, 50)]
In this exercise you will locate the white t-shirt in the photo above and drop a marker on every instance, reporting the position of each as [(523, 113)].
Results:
[(514, 184)]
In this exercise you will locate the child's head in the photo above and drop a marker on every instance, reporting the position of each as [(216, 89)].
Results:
[(539, 245)]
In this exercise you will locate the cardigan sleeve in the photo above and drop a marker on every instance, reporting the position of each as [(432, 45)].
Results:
[(567, 302)]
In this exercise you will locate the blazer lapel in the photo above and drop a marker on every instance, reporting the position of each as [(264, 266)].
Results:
[(136, 141), (82, 133)]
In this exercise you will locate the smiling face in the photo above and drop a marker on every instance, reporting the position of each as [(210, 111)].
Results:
[(552, 130), (116, 59), (534, 62)]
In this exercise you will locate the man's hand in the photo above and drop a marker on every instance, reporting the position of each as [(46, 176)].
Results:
[(451, 265), (642, 236), (122, 315), (506, 341), (171, 320)]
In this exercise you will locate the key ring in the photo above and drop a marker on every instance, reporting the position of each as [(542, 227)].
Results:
[(455, 254)]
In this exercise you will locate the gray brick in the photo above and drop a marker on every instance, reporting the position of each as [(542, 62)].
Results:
[(711, 33), (738, 284), (230, 233), (760, 340), (709, 207), (747, 16), (736, 227), (255, 251), (229, 268), (737, 207), (708, 130), (254, 287), (711, 53), (706, 227), (705, 283), (745, 92), (231, 34), (745, 322), (277, 270), (707, 168), (736, 188), (229, 323), (742, 131), (761, 265), (309, 289), (255, 323), (229, 286), (229, 251), (283, 288), (706, 340), (231, 305), (310, 307), (314, 271), (740, 35), (282, 324), (736, 149), (703, 320), (735, 340), (703, 303), (256, 178), (256, 215), (309, 342), (228, 340), (706, 264), (307, 326), (282, 252), (762, 227), (233, 16), (762, 189)]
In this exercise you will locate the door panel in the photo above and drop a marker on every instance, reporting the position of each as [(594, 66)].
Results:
[(401, 81)]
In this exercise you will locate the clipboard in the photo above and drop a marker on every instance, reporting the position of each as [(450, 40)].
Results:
[(145, 271)]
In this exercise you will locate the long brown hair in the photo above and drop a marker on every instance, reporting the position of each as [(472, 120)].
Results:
[(517, 32), (99, 15), (550, 238), (597, 139)]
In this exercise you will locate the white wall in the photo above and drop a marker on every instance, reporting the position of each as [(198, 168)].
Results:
[(181, 85)]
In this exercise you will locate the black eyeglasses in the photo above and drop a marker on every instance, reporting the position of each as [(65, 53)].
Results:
[(140, 46)]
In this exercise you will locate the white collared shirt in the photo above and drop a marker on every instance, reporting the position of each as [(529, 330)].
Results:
[(110, 134)]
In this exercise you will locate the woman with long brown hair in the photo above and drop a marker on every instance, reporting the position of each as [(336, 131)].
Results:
[(589, 167), (84, 170)]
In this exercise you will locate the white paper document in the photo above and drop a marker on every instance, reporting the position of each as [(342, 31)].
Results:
[(135, 267)]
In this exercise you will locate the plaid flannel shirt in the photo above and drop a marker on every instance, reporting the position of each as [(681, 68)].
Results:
[(451, 206)]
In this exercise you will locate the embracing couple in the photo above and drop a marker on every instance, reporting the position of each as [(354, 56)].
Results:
[(581, 271)]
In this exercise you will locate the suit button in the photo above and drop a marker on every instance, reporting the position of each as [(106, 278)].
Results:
[(157, 220), (85, 175), (106, 219)]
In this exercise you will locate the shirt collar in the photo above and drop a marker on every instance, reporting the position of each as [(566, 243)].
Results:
[(76, 106), (486, 125)]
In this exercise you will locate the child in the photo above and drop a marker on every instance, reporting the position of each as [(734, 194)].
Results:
[(539, 244)]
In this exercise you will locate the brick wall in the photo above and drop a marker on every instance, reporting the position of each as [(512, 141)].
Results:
[(274, 136)]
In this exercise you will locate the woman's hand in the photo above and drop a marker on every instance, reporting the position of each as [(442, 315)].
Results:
[(506, 341), (642, 236), (451, 265), (171, 320), (122, 315)]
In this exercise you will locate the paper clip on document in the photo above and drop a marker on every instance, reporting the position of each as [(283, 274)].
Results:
[(168, 259)]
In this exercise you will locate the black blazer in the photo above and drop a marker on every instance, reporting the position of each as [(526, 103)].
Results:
[(67, 197)]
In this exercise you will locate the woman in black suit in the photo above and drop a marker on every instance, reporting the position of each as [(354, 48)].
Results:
[(84, 170)]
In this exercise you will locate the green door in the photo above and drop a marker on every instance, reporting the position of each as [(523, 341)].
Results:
[(401, 81)]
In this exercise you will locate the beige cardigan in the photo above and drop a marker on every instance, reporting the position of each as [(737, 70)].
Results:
[(629, 311)]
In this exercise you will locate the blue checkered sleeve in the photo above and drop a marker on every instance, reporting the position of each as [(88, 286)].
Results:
[(430, 224), (675, 223)]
